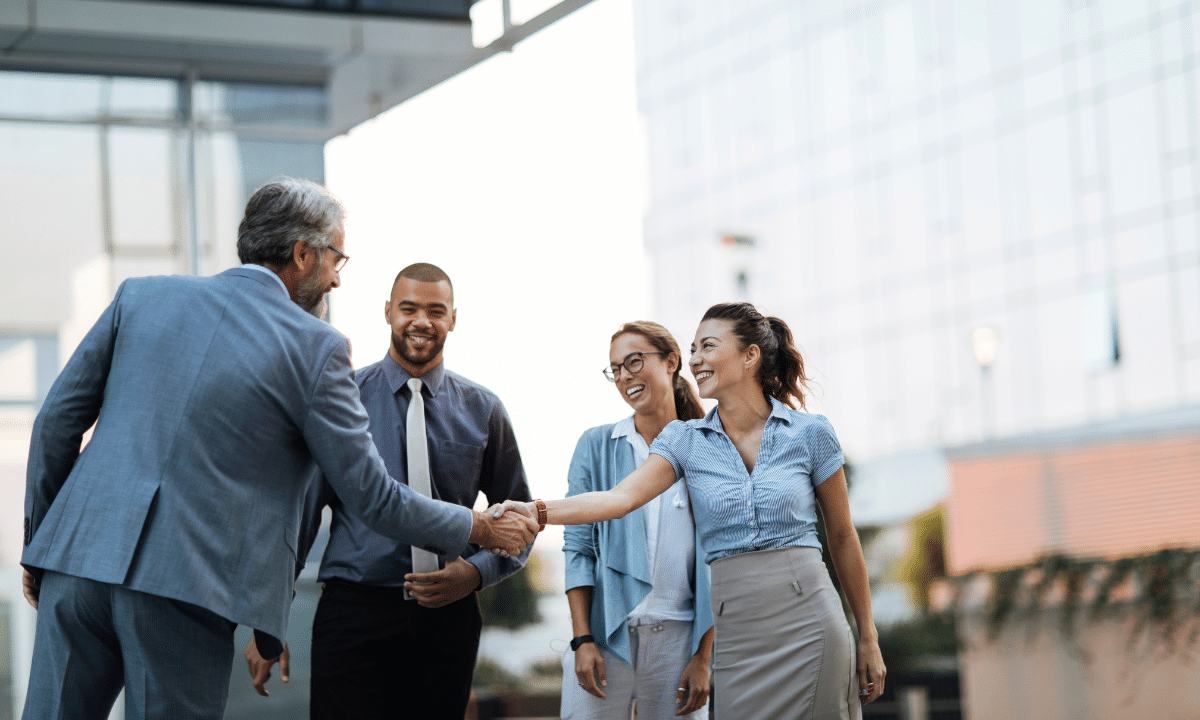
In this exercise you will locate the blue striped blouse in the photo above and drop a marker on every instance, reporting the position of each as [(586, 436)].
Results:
[(772, 507)]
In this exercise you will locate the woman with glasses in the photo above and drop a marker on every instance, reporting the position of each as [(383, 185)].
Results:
[(756, 471), (639, 599)]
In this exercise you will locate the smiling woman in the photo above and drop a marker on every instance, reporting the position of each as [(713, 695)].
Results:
[(644, 631), (755, 470)]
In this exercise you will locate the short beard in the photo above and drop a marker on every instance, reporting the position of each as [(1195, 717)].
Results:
[(402, 348), (310, 295)]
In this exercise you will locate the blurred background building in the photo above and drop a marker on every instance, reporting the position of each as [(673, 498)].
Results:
[(980, 219)]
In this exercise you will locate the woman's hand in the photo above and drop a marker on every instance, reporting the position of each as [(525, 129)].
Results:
[(693, 686), (871, 670), (589, 669)]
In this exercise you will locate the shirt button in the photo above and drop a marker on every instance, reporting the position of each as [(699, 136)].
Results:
[(748, 503)]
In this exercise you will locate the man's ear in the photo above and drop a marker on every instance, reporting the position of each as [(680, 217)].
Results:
[(303, 255), (453, 319), (387, 311)]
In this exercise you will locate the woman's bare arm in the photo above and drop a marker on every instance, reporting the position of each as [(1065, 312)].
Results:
[(846, 553), (651, 479)]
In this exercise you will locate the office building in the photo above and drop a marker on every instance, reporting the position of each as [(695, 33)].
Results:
[(980, 219)]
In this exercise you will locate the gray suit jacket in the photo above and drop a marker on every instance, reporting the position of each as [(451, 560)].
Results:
[(216, 400)]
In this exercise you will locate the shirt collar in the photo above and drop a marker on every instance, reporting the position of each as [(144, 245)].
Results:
[(624, 428), (272, 273), (398, 377), (712, 421)]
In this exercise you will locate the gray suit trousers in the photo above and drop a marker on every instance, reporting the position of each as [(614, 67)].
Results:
[(173, 658)]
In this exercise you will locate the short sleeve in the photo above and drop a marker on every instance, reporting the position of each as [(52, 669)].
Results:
[(674, 444), (825, 449)]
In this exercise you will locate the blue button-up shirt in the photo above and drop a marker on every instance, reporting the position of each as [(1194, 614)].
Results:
[(772, 507), (472, 449)]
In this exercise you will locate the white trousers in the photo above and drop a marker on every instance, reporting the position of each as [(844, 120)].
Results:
[(660, 652)]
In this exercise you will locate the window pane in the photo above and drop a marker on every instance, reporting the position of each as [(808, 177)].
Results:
[(51, 97), (241, 104), (140, 161), (50, 179), (144, 98)]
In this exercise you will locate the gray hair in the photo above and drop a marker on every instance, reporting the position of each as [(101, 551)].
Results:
[(283, 212)]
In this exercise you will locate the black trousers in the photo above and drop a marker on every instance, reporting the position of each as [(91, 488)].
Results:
[(377, 655)]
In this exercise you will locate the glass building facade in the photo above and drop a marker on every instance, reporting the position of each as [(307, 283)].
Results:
[(105, 178), (979, 218), (917, 184)]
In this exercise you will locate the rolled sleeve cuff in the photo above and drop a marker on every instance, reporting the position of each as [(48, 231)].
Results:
[(672, 446), (581, 571), (828, 469), (666, 455)]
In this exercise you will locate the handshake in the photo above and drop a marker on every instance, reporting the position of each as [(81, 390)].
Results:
[(505, 528)]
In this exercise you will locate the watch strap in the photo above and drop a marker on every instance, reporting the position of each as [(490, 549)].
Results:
[(541, 518), (576, 642)]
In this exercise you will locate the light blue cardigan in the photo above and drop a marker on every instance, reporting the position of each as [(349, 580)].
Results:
[(610, 556)]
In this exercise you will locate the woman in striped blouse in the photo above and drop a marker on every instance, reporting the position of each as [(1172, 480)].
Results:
[(756, 470)]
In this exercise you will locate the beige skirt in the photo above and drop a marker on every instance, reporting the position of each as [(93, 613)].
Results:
[(783, 648)]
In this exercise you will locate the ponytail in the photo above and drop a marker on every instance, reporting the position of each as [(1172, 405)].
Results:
[(788, 380), (687, 405)]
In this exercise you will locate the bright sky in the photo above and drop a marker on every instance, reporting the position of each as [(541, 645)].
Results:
[(524, 178)]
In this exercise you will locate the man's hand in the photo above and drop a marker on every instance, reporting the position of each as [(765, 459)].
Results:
[(454, 582), (504, 533), (589, 670), (30, 587), (693, 684), (260, 669)]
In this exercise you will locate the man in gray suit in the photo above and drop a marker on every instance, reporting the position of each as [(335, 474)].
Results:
[(215, 402)]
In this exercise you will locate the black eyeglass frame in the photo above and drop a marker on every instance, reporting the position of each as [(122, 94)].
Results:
[(341, 261), (610, 373)]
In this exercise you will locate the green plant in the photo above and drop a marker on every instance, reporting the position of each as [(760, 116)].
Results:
[(1162, 584), (511, 604), (908, 645)]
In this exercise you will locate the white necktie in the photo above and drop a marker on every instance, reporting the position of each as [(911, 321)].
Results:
[(423, 561)]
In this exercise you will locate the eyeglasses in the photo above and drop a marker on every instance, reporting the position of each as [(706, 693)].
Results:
[(633, 363), (341, 261)]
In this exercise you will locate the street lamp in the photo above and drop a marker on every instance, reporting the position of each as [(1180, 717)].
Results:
[(984, 342)]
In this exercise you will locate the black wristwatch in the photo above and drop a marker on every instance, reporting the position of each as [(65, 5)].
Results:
[(576, 642)]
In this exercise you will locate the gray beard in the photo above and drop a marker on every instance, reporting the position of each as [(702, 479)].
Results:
[(310, 296)]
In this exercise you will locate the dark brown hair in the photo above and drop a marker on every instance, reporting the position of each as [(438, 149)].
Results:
[(781, 371), (687, 404)]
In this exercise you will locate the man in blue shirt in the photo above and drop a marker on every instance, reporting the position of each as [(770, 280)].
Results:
[(375, 653)]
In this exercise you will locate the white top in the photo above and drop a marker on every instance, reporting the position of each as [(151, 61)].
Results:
[(670, 544)]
